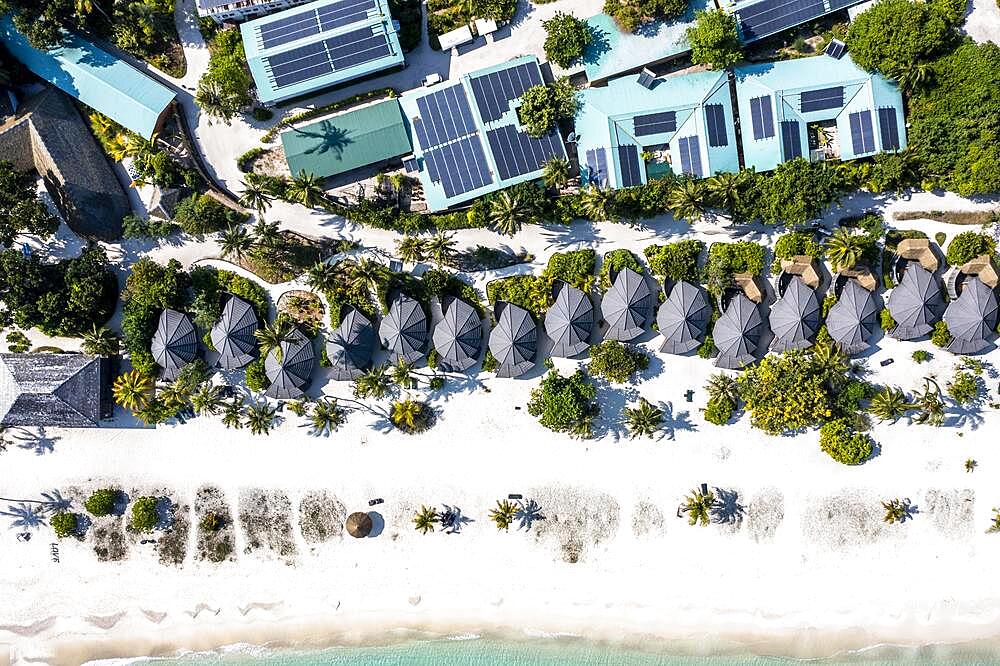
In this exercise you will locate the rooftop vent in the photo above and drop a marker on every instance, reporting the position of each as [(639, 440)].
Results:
[(836, 49)]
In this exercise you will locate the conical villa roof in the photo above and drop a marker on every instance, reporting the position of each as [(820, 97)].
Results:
[(852, 319), (626, 306), (233, 335), (915, 304), (737, 333), (458, 337), (682, 318), (972, 318), (404, 329), (514, 340), (795, 317), (350, 347), (290, 376), (175, 343), (569, 321)]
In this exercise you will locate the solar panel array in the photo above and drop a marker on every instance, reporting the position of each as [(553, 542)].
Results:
[(655, 123), (517, 153), (690, 156), (862, 136), (444, 116), (597, 165), (628, 159), (494, 92), (791, 140), (307, 24), (824, 98), (761, 117), (888, 128), (320, 58), (770, 16), (715, 123), (459, 166)]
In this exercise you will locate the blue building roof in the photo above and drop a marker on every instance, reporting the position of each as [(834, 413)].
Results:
[(95, 77), (685, 121), (467, 140), (861, 113), (318, 45), (613, 52)]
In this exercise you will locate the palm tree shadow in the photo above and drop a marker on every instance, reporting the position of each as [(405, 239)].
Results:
[(673, 422), (452, 520), (332, 139), (727, 510), (527, 513), (38, 442), (25, 516), (612, 400)]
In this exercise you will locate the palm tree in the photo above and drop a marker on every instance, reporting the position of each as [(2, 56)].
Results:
[(260, 418), (321, 276), (595, 203), (686, 200), (266, 234), (211, 99), (698, 506), (724, 190), (424, 519), (555, 172), (509, 212), (207, 399), (305, 189), (897, 511), (913, 74), (132, 389), (326, 417), (118, 147), (232, 415), (644, 420), (366, 273), (410, 249), (440, 247), (843, 249), (503, 515), (722, 387), (373, 383), (830, 361), (402, 374), (889, 404), (409, 415), (100, 341), (582, 429), (929, 404), (255, 195), (995, 525), (271, 336), (236, 243), (970, 465)]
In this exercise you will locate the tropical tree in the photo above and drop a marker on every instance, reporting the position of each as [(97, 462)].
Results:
[(270, 336), (503, 515), (366, 274), (698, 506), (235, 242), (440, 247), (403, 374), (305, 189), (260, 418), (326, 416), (995, 524), (686, 200), (843, 249), (232, 414), (207, 399), (255, 194), (889, 404), (555, 172), (721, 386), (411, 249), (266, 234), (132, 389), (509, 212), (373, 383), (423, 520), (212, 99), (409, 415), (101, 341), (912, 75), (321, 276), (724, 190), (970, 465), (897, 511), (595, 203), (830, 362), (643, 420), (929, 404)]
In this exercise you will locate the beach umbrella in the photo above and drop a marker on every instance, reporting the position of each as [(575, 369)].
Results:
[(626, 306), (737, 333), (795, 317), (514, 340), (359, 525), (682, 318), (290, 374), (404, 329)]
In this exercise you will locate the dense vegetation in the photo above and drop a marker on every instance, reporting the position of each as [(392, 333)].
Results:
[(203, 214), (565, 404), (150, 288), (616, 261), (968, 245), (21, 211), (714, 39), (727, 259), (543, 106), (630, 15), (534, 292), (410, 17), (566, 38), (224, 90), (616, 362), (676, 261)]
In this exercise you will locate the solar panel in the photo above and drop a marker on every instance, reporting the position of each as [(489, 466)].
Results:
[(344, 13), (460, 166), (761, 117), (299, 64), (840, 4), (356, 47), (445, 116), (516, 153), (824, 98), (628, 159), (597, 165), (862, 137), (495, 91), (791, 141), (770, 16), (690, 156), (888, 128), (655, 123), (646, 79), (715, 122), (836, 48), (288, 29)]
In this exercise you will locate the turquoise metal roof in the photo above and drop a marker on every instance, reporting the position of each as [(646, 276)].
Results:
[(434, 193), (783, 83), (270, 92), (607, 120), (614, 51), (95, 77)]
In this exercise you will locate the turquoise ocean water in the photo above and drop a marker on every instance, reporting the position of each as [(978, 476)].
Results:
[(566, 652)]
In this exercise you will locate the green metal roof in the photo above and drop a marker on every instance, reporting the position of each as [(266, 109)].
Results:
[(100, 80), (351, 140)]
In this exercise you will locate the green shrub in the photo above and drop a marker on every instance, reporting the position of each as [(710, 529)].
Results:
[(727, 259), (895, 33), (64, 524), (244, 161), (968, 245), (102, 502), (144, 515), (543, 106), (261, 114), (616, 362), (490, 362), (134, 226), (212, 522), (714, 39), (408, 13), (885, 320), (566, 37), (838, 441), (719, 410), (941, 336), (675, 261), (793, 244), (224, 89), (256, 378), (615, 262), (963, 387), (707, 348), (18, 342), (203, 214), (149, 289), (631, 14), (922, 356), (940, 237), (565, 404)]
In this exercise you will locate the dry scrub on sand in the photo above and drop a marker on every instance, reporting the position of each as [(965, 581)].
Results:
[(764, 514), (321, 517), (266, 519), (216, 534), (647, 519), (576, 520)]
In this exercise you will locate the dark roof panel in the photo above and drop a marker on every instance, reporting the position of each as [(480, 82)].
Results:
[(60, 390)]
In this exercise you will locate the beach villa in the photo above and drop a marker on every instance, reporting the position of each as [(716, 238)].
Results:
[(55, 390)]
